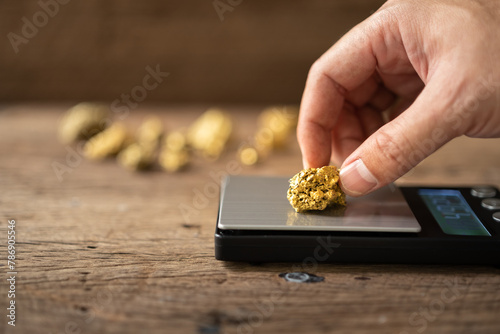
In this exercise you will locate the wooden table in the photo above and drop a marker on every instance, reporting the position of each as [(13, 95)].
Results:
[(109, 251)]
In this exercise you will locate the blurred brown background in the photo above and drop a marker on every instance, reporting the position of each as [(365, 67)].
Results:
[(96, 50)]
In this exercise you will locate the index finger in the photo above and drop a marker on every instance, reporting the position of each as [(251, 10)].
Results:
[(345, 66)]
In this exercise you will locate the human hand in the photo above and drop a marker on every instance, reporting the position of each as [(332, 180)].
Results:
[(432, 66)]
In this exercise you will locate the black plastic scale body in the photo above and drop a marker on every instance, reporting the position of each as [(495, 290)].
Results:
[(446, 225)]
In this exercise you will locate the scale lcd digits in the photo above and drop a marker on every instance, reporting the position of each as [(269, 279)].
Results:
[(391, 225)]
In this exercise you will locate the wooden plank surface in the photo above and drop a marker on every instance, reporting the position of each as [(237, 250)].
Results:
[(109, 251)]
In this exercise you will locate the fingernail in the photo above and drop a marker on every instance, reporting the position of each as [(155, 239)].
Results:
[(356, 179)]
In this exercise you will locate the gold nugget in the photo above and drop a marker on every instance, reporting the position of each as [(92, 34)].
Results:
[(248, 155), (280, 122), (150, 131), (315, 189), (173, 161), (107, 143), (176, 141), (141, 154), (137, 156), (83, 121), (275, 125), (175, 153), (209, 133)]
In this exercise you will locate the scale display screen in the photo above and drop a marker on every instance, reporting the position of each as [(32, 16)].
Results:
[(452, 212)]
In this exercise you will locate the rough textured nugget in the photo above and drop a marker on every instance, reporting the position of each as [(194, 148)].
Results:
[(315, 189)]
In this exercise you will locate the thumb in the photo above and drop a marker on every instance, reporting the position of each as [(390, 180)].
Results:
[(402, 143)]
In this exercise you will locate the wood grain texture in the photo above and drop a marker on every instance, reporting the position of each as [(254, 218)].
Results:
[(108, 251), (96, 50)]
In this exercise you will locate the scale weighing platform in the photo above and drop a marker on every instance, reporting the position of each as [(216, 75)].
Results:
[(461, 225)]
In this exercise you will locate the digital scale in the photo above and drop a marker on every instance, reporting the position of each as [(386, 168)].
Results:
[(461, 225)]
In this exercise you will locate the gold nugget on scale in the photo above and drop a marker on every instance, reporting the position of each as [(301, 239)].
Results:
[(315, 189)]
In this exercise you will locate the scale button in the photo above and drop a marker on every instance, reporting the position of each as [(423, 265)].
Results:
[(483, 192), (496, 216), (491, 203)]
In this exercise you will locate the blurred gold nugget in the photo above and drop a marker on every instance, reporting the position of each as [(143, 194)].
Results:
[(209, 133), (275, 124), (248, 155), (151, 131), (315, 189), (175, 153), (83, 121), (176, 141), (137, 156), (141, 154), (264, 141), (281, 122), (108, 142), (173, 161)]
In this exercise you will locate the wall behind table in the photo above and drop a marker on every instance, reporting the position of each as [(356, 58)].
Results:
[(96, 50)]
